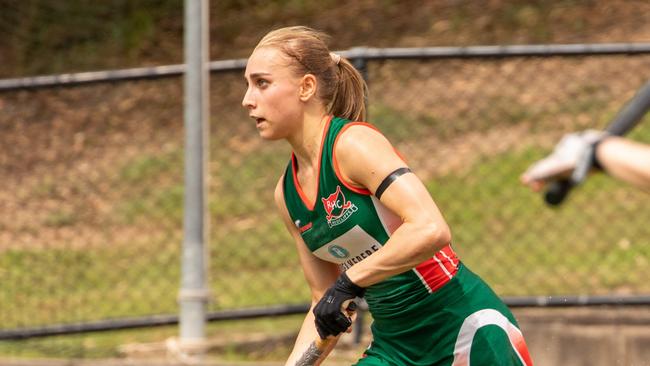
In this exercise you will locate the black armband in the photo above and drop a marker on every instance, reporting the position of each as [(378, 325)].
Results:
[(594, 159), (389, 180)]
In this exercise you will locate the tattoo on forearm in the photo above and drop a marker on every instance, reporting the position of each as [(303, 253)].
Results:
[(310, 356)]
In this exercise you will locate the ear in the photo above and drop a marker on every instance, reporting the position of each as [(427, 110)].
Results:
[(308, 87)]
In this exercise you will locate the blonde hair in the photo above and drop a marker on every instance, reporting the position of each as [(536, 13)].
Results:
[(341, 87)]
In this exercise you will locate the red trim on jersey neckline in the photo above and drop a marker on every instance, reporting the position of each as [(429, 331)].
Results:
[(294, 165), (335, 162), (439, 269)]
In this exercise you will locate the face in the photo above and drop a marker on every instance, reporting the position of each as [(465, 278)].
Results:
[(272, 96)]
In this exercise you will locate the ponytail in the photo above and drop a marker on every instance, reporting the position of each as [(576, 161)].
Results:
[(350, 94)]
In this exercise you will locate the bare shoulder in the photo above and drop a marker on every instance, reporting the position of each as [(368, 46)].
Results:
[(361, 138), (363, 156)]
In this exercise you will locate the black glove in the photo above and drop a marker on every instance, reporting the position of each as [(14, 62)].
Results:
[(330, 318)]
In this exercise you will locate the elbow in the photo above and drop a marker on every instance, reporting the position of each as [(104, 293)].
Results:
[(437, 236)]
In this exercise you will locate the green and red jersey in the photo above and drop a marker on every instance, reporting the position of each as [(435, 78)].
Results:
[(436, 314), (346, 224)]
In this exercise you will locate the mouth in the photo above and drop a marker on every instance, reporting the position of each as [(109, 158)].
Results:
[(258, 120)]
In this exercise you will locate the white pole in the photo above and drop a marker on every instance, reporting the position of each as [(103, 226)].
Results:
[(194, 295)]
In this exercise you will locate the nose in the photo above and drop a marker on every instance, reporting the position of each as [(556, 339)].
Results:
[(248, 101)]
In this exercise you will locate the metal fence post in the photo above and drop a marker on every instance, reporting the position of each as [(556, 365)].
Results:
[(361, 64), (193, 295)]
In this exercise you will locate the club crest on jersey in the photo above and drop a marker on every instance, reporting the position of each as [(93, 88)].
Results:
[(338, 209)]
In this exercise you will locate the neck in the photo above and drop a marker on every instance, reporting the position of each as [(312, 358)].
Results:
[(307, 140)]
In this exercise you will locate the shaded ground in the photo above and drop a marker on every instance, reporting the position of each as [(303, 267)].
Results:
[(597, 336)]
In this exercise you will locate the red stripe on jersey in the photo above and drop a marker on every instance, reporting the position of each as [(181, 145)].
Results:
[(439, 269), (520, 346), (306, 227), (448, 258)]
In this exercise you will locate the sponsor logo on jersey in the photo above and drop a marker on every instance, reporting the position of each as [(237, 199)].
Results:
[(338, 209), (338, 251)]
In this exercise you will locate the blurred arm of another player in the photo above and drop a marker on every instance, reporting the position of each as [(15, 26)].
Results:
[(626, 160), (623, 159)]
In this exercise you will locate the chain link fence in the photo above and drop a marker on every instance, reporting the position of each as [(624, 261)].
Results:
[(92, 192), (92, 202), (471, 127)]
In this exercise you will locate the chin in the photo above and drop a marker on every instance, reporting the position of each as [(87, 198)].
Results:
[(269, 136)]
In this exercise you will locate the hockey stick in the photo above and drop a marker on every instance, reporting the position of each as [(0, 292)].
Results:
[(625, 121)]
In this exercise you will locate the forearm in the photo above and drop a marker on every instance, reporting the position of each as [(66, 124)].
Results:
[(410, 245), (306, 336), (625, 160)]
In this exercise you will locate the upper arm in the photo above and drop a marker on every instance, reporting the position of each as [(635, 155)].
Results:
[(365, 158), (320, 275), (626, 160)]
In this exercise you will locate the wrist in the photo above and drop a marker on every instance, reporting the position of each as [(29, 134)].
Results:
[(350, 287), (595, 163)]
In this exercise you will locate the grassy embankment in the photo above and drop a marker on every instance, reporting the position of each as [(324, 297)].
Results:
[(492, 217)]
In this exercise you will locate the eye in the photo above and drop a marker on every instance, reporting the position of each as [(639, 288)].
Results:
[(261, 83)]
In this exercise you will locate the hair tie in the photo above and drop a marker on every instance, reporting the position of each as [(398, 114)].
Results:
[(335, 57)]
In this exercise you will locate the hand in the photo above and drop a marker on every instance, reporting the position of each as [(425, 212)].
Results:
[(560, 164), (331, 315)]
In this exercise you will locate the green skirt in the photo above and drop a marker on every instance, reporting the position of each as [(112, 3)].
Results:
[(464, 323)]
